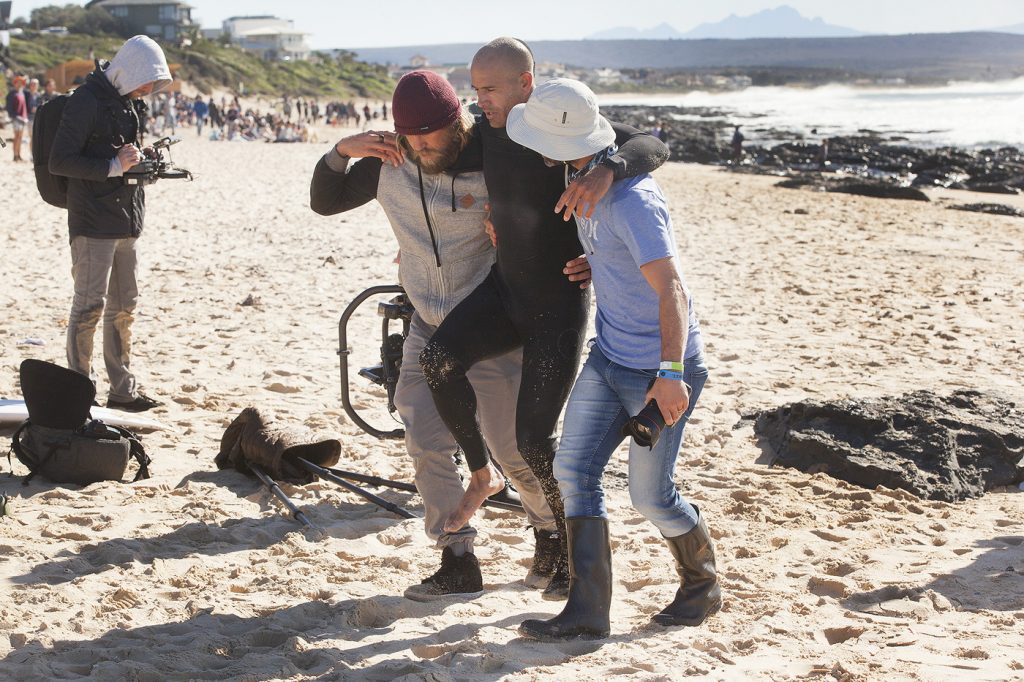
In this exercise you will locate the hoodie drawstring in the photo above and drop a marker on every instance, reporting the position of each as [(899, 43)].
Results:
[(430, 226)]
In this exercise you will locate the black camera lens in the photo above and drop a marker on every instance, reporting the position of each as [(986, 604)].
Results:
[(645, 428)]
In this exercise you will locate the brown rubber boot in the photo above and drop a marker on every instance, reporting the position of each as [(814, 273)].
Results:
[(254, 437)]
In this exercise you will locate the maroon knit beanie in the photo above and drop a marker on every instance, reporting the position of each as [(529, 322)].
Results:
[(423, 102)]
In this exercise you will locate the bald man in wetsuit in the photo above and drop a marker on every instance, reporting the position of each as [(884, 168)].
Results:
[(526, 300)]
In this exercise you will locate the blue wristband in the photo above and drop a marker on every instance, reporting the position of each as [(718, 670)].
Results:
[(669, 374)]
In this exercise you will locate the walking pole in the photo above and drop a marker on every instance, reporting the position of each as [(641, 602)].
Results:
[(379, 501), (375, 480), (409, 487), (279, 494)]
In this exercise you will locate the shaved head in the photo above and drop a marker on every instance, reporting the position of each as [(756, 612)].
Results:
[(502, 73), (511, 53)]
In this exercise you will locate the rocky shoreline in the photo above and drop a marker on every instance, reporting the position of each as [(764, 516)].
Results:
[(868, 163)]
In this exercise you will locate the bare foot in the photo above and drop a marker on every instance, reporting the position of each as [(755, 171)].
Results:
[(482, 484)]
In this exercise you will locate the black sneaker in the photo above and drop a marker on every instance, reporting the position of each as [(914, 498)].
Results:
[(141, 403), (546, 550), (508, 497), (458, 575)]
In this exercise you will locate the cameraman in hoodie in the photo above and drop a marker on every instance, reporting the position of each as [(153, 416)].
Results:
[(97, 142)]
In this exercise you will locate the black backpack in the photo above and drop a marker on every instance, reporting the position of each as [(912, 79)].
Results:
[(52, 188)]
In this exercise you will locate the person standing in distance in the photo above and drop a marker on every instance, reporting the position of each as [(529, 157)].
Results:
[(97, 142)]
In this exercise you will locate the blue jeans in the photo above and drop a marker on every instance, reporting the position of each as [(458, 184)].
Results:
[(605, 396)]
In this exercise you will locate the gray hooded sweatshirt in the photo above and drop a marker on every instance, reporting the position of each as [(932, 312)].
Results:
[(139, 61)]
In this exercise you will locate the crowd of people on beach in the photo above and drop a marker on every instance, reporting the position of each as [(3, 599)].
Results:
[(285, 119), (227, 119)]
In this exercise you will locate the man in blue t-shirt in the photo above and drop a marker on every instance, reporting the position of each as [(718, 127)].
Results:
[(648, 348)]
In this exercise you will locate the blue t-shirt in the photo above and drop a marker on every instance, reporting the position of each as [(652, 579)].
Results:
[(631, 227)]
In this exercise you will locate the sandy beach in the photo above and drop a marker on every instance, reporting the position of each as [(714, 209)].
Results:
[(200, 574)]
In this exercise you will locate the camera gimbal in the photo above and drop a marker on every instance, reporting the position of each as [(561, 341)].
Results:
[(151, 169)]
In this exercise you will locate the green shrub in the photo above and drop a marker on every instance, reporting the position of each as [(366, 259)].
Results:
[(208, 65)]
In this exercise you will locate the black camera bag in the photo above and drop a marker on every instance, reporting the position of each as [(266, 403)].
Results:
[(59, 441)]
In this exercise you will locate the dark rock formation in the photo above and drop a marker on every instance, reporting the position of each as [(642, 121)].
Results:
[(940, 448), (868, 188), (701, 135), (995, 209), (880, 191)]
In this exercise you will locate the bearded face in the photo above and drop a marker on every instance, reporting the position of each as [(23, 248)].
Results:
[(434, 152)]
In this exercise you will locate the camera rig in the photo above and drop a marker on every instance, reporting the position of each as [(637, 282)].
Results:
[(397, 309), (156, 166)]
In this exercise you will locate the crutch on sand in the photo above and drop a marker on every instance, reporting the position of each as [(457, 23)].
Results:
[(334, 478), (279, 494)]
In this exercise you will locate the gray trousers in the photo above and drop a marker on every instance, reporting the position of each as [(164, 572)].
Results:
[(104, 271), (496, 382)]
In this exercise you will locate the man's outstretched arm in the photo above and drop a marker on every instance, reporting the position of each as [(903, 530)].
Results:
[(638, 153)]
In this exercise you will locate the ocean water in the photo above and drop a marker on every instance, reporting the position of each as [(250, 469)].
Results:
[(961, 114)]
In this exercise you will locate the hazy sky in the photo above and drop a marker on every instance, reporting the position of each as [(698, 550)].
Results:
[(366, 23)]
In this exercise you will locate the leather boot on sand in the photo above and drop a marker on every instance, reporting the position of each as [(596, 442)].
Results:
[(255, 437), (699, 594), (586, 613)]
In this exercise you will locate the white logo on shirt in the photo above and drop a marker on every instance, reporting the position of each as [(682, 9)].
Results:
[(587, 229)]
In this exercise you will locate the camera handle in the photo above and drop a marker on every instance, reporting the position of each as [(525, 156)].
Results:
[(344, 352)]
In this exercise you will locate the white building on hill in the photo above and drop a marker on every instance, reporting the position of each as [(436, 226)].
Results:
[(269, 37)]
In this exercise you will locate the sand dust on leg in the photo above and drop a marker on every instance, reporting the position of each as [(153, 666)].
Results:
[(482, 484)]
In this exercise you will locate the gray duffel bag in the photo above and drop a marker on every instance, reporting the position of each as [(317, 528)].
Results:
[(93, 452)]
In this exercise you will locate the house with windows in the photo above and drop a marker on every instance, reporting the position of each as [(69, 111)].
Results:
[(160, 19), (269, 37)]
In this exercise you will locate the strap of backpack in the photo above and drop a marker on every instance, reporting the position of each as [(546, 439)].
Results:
[(16, 448), (137, 452), (23, 457)]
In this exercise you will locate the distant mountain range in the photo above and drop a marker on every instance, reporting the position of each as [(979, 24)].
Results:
[(781, 22), (1016, 28), (917, 57)]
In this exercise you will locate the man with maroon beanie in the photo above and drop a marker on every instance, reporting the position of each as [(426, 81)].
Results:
[(429, 179)]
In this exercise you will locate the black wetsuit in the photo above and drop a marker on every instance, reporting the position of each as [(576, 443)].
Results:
[(525, 301)]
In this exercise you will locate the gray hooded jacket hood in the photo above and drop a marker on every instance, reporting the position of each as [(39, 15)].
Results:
[(139, 61)]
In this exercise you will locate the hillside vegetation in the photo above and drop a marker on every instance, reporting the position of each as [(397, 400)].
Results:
[(208, 65)]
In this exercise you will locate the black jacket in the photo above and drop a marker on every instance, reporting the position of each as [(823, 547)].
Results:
[(96, 121)]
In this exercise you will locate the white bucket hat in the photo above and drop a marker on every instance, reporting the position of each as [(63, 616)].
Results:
[(560, 121)]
